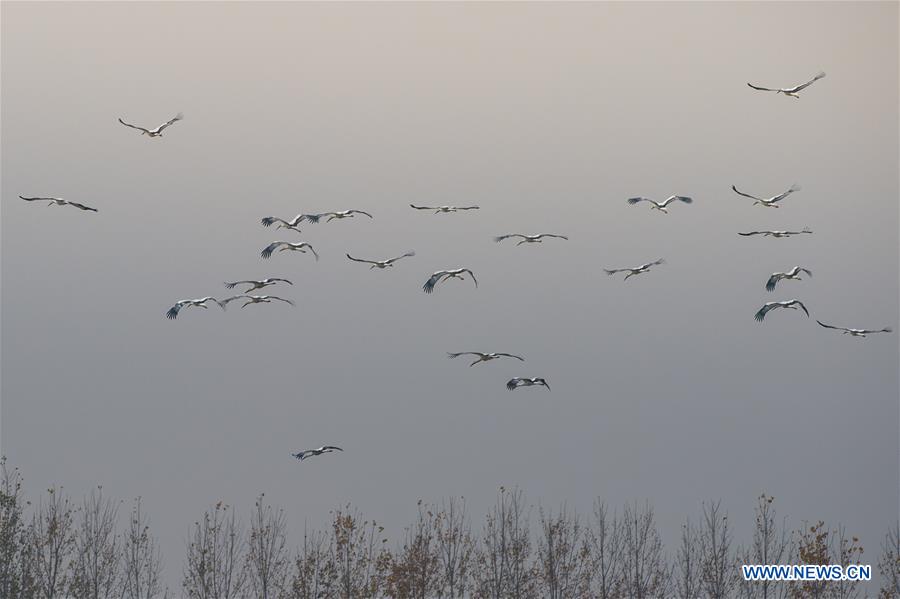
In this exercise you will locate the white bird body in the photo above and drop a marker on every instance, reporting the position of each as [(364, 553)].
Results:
[(60, 202), (254, 299), (284, 224), (315, 218), (636, 270), (282, 246), (308, 453), (382, 263), (257, 284), (172, 313), (856, 332), (517, 382), (767, 202), (790, 91), (155, 132), (777, 234), (444, 209), (529, 238), (444, 275), (661, 206), (484, 357), (793, 274), (769, 306)]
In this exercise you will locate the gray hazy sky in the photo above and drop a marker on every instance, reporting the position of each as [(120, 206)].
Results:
[(546, 115)]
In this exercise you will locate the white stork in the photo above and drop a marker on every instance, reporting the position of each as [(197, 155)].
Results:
[(255, 299), (286, 245), (382, 263), (636, 270), (445, 275), (661, 206), (60, 202), (855, 332), (172, 313), (529, 238), (793, 274), (768, 202), (517, 382), (776, 234), (444, 209), (315, 218), (257, 284), (302, 455), (484, 357), (790, 91), (155, 132), (769, 306)]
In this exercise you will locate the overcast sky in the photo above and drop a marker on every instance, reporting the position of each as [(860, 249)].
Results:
[(548, 116)]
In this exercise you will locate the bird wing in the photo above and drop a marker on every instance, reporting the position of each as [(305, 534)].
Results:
[(267, 251), (807, 271), (360, 212), (649, 264), (428, 287), (172, 313), (235, 283), (168, 123), (512, 356), (671, 199), (799, 303), (828, 326), (226, 301), (361, 260), (764, 89), (314, 252), (761, 313), (330, 448), (500, 238), (467, 207), (773, 280), (273, 279), (35, 199), (884, 330), (746, 195), (472, 274), (464, 353), (513, 383), (634, 201), (612, 271), (785, 194), (808, 83), (406, 255), (82, 206), (422, 207), (280, 299), (134, 126), (552, 235), (314, 218), (542, 382), (302, 455), (270, 220), (749, 233)]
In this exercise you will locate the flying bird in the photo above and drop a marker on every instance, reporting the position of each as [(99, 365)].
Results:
[(520, 382), (312, 452), (172, 313), (284, 224), (254, 285), (793, 274), (661, 206), (445, 275), (529, 238), (286, 245), (315, 218), (790, 91), (769, 306), (254, 299), (855, 332), (778, 234), (634, 271), (155, 132), (444, 209), (382, 263), (767, 202), (59, 202), (484, 357)]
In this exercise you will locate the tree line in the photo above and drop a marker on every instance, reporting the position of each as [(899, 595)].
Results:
[(57, 548)]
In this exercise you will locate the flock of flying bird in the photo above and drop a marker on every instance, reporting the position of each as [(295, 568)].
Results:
[(247, 298)]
